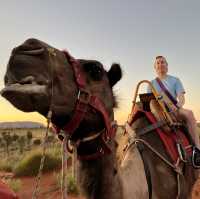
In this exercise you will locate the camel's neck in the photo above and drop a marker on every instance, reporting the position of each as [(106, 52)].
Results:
[(99, 178)]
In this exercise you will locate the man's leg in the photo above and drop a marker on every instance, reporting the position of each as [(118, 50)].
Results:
[(188, 116), (156, 110)]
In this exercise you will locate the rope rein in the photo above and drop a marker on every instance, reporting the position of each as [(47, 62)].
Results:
[(137, 140), (38, 178), (49, 116), (64, 168)]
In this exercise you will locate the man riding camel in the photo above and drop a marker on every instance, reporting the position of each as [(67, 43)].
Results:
[(172, 87)]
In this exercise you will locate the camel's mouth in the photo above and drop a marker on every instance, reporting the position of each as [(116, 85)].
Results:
[(24, 88), (27, 78), (25, 94)]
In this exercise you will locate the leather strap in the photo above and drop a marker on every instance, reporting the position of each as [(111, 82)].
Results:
[(84, 100), (150, 128), (168, 94)]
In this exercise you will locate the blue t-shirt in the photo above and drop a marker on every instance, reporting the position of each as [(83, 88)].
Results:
[(172, 84)]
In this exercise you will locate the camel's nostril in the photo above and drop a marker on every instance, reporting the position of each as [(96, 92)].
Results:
[(32, 52), (29, 47)]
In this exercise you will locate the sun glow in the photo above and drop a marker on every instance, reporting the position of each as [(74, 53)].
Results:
[(10, 113)]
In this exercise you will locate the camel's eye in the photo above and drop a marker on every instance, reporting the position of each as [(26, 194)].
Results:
[(95, 70)]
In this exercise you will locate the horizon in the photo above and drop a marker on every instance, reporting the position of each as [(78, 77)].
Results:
[(132, 34)]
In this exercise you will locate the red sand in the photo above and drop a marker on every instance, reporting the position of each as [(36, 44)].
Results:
[(47, 188)]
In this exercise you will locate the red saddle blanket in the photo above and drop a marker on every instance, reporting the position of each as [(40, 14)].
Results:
[(168, 138)]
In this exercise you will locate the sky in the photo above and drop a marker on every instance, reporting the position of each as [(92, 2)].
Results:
[(129, 32)]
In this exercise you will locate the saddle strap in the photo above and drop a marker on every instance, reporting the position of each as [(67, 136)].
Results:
[(168, 94), (150, 128)]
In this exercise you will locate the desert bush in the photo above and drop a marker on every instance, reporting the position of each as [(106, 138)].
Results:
[(15, 137), (72, 187), (22, 142), (6, 165), (29, 137), (30, 164), (37, 142), (14, 184), (7, 140), (50, 138)]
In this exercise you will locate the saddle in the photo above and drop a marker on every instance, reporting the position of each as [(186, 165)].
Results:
[(177, 141), (165, 122), (169, 139)]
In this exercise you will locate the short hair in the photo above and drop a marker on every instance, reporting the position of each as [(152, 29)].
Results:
[(158, 57)]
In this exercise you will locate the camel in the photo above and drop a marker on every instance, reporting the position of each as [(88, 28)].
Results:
[(40, 77)]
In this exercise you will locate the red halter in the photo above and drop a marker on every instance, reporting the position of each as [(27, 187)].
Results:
[(83, 100)]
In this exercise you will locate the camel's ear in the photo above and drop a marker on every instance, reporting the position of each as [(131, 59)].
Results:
[(114, 74)]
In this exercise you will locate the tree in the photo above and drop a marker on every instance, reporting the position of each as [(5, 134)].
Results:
[(21, 142), (8, 140), (37, 142), (29, 138), (15, 137), (2, 143)]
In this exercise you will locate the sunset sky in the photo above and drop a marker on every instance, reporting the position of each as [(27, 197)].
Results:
[(130, 32)]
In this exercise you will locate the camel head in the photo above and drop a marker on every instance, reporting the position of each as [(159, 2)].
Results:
[(39, 76)]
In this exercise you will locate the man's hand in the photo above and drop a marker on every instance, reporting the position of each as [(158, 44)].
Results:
[(174, 108)]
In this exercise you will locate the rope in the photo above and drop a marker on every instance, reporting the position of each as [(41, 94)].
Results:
[(75, 175), (38, 178), (51, 52), (175, 167), (64, 168), (156, 152), (178, 186)]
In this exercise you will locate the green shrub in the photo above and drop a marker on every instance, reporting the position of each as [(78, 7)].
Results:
[(14, 184), (56, 152), (37, 142), (30, 164), (72, 187), (6, 165), (50, 138)]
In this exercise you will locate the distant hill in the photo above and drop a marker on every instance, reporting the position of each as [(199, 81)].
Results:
[(20, 125)]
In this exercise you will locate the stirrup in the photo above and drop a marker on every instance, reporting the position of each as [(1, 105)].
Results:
[(196, 157), (181, 152)]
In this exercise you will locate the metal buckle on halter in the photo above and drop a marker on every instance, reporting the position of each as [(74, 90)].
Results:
[(159, 97), (84, 96), (181, 152), (196, 158)]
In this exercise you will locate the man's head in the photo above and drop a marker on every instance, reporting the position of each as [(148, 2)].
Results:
[(161, 66)]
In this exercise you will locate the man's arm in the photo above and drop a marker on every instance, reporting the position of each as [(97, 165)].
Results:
[(180, 93), (181, 99)]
